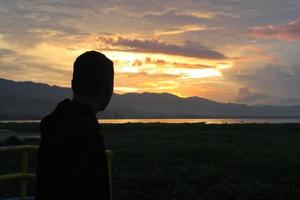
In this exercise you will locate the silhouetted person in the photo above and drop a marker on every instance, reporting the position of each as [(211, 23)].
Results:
[(71, 161)]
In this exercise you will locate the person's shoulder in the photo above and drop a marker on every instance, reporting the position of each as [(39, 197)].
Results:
[(73, 120), (77, 124), (78, 121), (45, 122), (78, 129)]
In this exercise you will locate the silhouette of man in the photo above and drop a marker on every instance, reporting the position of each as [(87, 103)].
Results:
[(71, 162)]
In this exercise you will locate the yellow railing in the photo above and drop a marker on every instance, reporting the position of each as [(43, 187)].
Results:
[(24, 176)]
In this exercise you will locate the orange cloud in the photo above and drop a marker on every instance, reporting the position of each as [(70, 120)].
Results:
[(137, 62), (161, 62)]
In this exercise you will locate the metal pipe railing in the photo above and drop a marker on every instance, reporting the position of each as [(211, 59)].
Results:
[(24, 176)]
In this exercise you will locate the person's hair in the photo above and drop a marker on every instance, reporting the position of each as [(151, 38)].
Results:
[(93, 75)]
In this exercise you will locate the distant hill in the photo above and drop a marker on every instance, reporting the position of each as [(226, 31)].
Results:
[(29, 100)]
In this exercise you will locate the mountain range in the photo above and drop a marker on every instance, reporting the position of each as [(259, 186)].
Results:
[(30, 100)]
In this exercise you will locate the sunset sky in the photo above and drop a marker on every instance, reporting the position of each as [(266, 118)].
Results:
[(244, 51)]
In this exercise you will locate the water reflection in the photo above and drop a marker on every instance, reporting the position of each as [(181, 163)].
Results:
[(208, 121)]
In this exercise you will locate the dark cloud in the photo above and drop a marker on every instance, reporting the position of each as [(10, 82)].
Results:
[(280, 83), (288, 32), (289, 101), (189, 49), (68, 4), (247, 96), (6, 52)]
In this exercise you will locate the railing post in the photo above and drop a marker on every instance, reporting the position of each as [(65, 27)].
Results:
[(24, 175), (24, 163)]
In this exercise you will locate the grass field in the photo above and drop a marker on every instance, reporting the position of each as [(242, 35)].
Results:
[(197, 161)]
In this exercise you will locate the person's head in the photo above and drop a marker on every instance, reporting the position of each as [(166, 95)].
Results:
[(93, 79)]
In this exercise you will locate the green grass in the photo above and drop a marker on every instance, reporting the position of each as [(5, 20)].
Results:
[(198, 161)]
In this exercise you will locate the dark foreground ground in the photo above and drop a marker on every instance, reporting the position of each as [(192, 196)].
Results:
[(195, 161)]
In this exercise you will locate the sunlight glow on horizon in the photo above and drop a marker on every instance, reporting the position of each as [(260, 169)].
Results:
[(160, 65), (155, 72)]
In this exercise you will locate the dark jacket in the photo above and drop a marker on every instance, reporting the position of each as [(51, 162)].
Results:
[(71, 161)]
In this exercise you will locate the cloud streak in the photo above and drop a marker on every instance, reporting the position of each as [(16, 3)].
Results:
[(180, 30), (188, 49), (286, 32), (171, 17)]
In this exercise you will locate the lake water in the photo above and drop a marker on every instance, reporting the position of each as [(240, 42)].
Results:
[(6, 133), (208, 121)]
